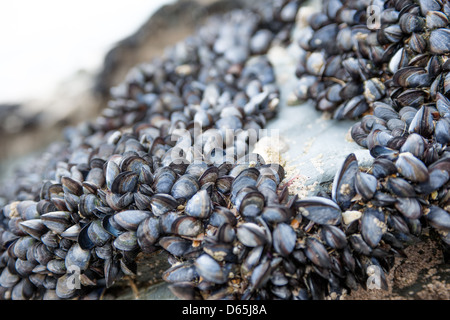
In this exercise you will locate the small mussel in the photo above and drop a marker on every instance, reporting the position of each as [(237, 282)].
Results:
[(161, 203), (372, 227), (200, 205), (320, 210), (210, 269), (251, 234), (148, 233), (184, 188), (344, 182), (284, 239)]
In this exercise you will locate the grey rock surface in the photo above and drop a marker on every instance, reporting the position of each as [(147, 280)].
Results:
[(314, 145)]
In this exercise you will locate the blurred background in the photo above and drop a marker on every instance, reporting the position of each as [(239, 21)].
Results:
[(45, 42), (58, 59), (51, 53)]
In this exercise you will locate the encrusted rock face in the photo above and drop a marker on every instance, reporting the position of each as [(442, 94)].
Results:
[(176, 179)]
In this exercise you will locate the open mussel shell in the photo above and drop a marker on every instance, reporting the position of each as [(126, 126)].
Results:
[(320, 210)]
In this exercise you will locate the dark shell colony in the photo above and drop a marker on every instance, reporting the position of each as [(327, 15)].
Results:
[(159, 170)]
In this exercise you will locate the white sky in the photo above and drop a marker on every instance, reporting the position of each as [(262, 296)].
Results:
[(45, 41)]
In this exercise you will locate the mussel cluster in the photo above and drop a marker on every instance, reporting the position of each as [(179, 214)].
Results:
[(392, 75), (169, 145), (168, 165), (395, 75)]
